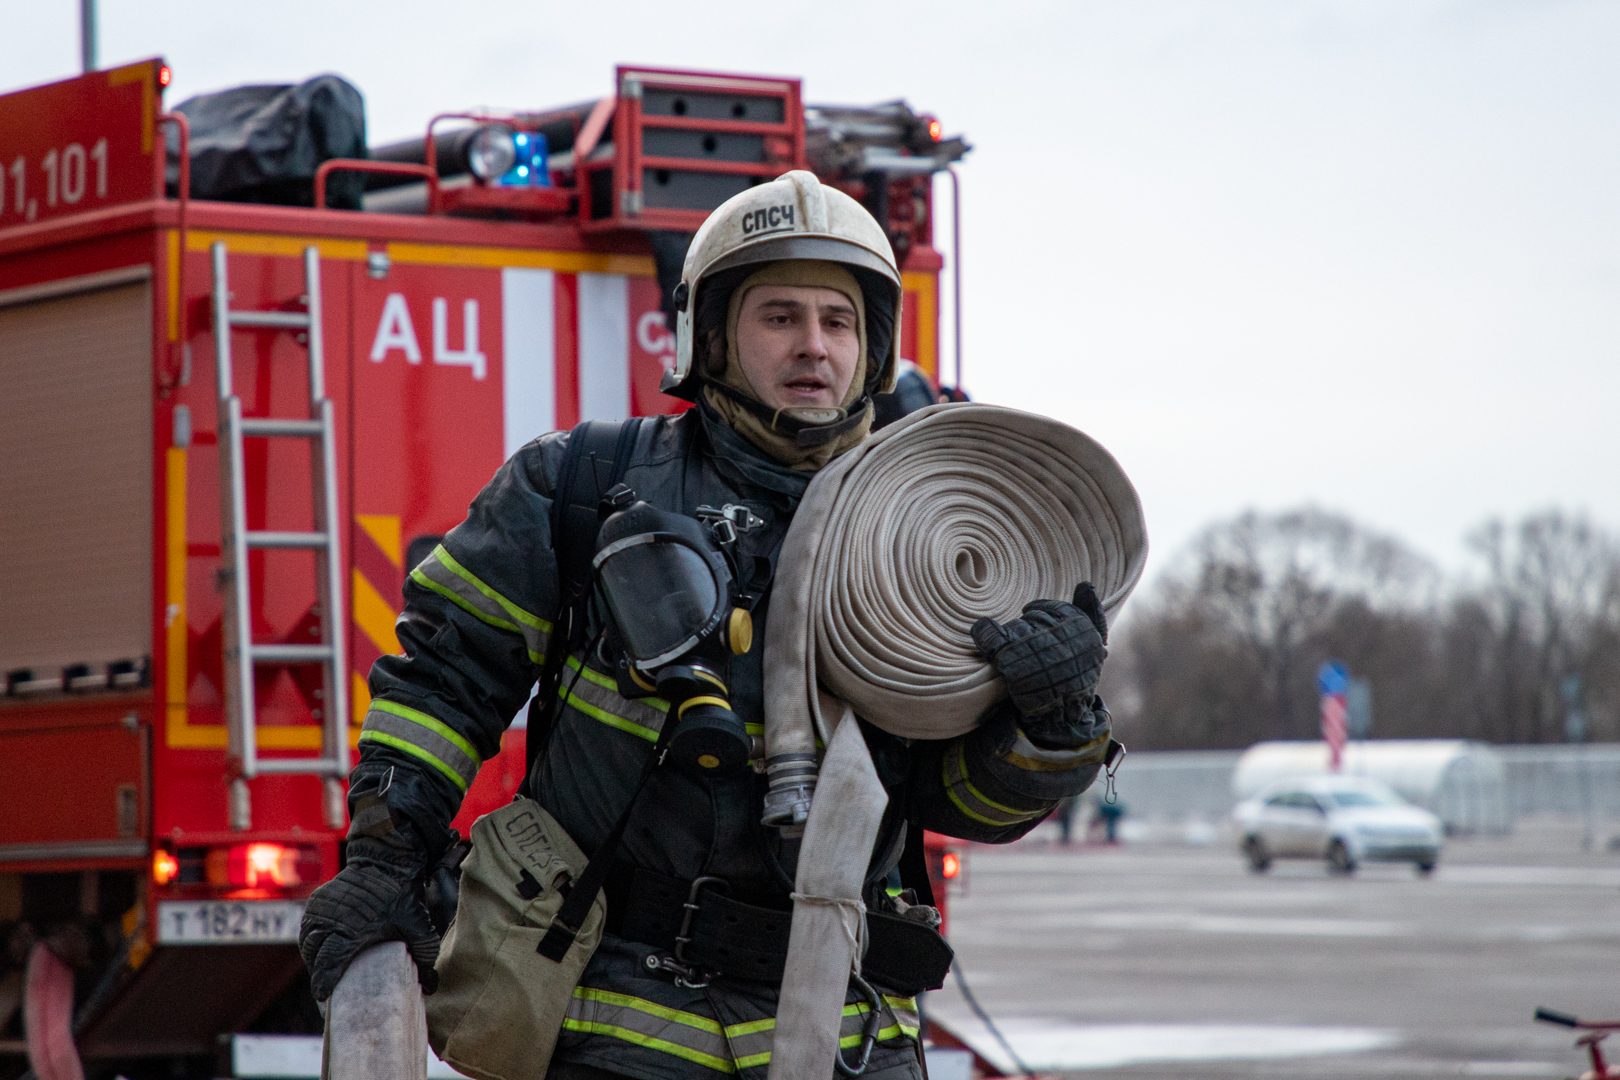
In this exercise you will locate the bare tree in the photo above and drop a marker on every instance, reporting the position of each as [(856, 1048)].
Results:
[(1223, 651), (1552, 599), (1228, 646)]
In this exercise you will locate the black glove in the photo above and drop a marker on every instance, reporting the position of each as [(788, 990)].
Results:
[(377, 897), (1051, 660)]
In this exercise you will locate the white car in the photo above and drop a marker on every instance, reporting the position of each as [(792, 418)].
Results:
[(1343, 819)]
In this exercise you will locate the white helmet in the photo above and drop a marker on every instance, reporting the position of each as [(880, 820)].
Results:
[(793, 217)]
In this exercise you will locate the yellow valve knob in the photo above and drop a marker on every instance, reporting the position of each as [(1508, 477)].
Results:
[(708, 761), (740, 632)]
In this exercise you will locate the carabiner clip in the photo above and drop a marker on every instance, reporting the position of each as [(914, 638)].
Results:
[(869, 1031), (1112, 760)]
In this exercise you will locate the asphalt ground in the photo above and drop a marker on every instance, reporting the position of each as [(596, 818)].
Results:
[(1173, 960)]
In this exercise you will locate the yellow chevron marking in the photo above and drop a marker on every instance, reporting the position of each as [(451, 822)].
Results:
[(359, 698), (374, 615), (384, 532)]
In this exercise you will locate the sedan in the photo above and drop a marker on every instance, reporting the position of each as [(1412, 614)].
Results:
[(1345, 820)]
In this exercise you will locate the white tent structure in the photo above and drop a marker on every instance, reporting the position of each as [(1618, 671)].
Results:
[(1460, 781)]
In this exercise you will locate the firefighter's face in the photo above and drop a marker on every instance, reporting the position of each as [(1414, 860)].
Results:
[(798, 345)]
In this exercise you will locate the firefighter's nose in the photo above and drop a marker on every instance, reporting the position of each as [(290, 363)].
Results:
[(812, 346)]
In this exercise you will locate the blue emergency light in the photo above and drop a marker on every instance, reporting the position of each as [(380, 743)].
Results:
[(529, 168)]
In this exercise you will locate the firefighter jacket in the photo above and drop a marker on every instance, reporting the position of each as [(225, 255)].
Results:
[(475, 630)]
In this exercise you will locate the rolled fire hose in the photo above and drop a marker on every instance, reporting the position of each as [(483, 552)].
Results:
[(956, 512)]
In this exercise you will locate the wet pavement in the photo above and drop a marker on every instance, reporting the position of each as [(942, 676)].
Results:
[(1167, 959)]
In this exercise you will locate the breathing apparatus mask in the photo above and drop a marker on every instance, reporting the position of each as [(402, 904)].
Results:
[(668, 584)]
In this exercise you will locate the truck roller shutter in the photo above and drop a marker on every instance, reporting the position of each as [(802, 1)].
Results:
[(76, 479)]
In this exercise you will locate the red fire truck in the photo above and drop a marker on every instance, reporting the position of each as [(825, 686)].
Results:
[(227, 429)]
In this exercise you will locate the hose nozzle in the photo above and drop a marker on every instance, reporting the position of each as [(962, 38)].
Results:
[(787, 799)]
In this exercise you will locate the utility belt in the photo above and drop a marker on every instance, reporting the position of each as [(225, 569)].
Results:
[(706, 933)]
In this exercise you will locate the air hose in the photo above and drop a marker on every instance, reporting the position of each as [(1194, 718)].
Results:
[(956, 512)]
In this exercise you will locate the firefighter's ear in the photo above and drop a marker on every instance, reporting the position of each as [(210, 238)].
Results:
[(716, 350)]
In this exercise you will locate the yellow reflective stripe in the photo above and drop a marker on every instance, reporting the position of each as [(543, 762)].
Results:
[(517, 613), (893, 1031), (606, 717), (594, 1027), (423, 737), (651, 1008), (950, 793), (602, 1012), (441, 573), (992, 804), (597, 696), (535, 656), (463, 603), (415, 751), (683, 1034), (605, 682), (438, 727), (955, 777), (1031, 758), (854, 1014)]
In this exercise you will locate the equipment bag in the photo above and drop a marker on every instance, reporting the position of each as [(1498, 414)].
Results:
[(528, 918), (500, 1003)]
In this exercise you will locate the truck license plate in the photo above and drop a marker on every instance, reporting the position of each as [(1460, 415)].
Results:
[(214, 922)]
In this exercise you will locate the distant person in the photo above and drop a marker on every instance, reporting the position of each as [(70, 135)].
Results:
[(1108, 815), (1064, 816)]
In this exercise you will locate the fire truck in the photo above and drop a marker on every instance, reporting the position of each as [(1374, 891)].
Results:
[(229, 426)]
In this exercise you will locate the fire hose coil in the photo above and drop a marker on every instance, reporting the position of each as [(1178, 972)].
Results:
[(956, 512)]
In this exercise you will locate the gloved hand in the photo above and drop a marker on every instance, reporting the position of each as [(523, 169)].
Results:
[(377, 897), (1051, 660)]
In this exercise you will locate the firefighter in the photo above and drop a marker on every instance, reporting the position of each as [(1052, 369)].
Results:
[(790, 304)]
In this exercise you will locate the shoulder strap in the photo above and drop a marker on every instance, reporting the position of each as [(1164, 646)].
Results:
[(914, 865), (581, 894), (598, 454)]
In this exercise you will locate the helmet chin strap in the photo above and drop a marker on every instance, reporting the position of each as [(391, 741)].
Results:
[(804, 432)]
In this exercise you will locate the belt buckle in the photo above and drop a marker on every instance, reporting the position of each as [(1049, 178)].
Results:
[(688, 975)]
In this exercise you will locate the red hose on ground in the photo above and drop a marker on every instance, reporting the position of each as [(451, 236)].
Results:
[(48, 1017)]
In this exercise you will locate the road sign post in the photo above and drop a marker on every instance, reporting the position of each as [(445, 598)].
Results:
[(1333, 680)]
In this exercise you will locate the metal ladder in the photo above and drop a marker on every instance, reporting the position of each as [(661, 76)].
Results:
[(242, 655)]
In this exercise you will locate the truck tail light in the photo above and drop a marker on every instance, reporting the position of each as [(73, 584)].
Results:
[(261, 866), (165, 76), (951, 866), (165, 867)]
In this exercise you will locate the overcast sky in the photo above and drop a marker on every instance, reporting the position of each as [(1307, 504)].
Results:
[(1358, 254)]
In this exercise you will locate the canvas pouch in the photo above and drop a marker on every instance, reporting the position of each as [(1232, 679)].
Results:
[(500, 1004)]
